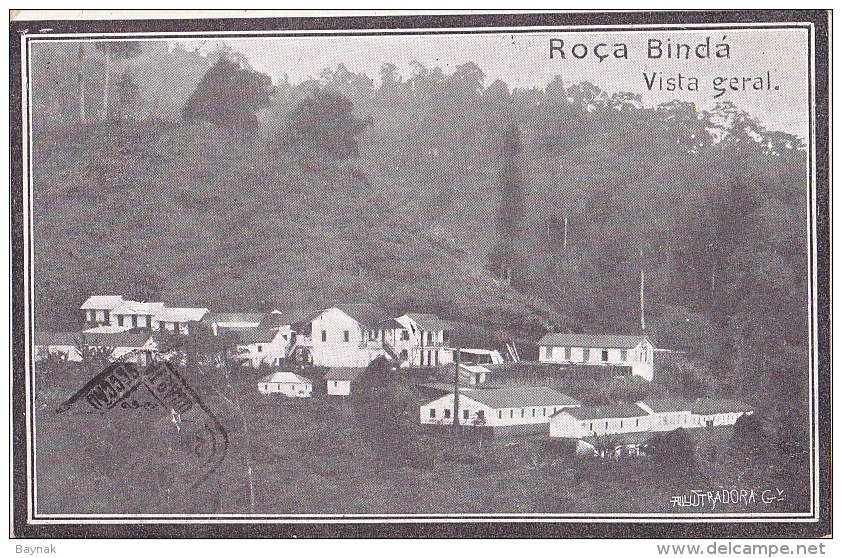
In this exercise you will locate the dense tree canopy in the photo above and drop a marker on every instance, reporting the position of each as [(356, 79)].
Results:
[(325, 123), (229, 96), (712, 206)]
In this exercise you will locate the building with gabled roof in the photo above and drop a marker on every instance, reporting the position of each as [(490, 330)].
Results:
[(177, 320), (711, 411), (232, 321), (364, 313), (634, 353), (469, 374), (519, 410), (667, 413), (585, 421), (98, 308), (126, 346), (135, 314), (340, 379), (343, 335), (285, 383), (419, 340), (262, 345)]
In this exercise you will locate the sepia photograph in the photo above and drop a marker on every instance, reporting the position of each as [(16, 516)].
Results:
[(417, 273)]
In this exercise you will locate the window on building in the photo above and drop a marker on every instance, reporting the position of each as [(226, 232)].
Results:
[(549, 351), (481, 415), (429, 337), (499, 414), (637, 422), (591, 426), (606, 425), (621, 424), (533, 412), (432, 411), (260, 348), (545, 411), (522, 413), (336, 384), (624, 353), (404, 335), (346, 335), (512, 413), (324, 335), (447, 413), (119, 320), (604, 355), (586, 355), (466, 414), (567, 353)]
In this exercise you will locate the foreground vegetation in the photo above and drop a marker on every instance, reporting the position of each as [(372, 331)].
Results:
[(367, 454)]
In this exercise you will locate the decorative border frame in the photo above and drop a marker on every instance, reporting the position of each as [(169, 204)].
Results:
[(27, 524)]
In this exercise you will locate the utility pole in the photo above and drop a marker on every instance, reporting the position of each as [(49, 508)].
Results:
[(456, 392), (565, 233)]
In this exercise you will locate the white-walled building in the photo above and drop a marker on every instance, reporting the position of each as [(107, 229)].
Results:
[(134, 314), (469, 374), (232, 321), (98, 308), (344, 335), (584, 422), (419, 340), (340, 380), (632, 352), (530, 407), (286, 383), (654, 414), (177, 320), (260, 345), (708, 411), (138, 348), (667, 413)]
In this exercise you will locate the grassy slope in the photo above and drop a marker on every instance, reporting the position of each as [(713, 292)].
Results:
[(312, 456), (233, 226)]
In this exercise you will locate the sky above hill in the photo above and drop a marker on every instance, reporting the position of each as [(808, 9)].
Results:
[(766, 71)]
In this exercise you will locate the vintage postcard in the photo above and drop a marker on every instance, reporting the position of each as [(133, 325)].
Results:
[(481, 274)]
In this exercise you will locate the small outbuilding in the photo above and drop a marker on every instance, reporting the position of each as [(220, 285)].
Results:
[(286, 383), (340, 379)]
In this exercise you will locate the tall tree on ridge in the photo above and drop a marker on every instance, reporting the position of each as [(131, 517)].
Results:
[(507, 257)]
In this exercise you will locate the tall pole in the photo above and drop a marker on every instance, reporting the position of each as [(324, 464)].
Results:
[(456, 391), (565, 233)]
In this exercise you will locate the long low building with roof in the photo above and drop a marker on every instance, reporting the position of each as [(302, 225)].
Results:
[(232, 321), (583, 422), (710, 411), (652, 415), (518, 410), (285, 383), (624, 352), (126, 346)]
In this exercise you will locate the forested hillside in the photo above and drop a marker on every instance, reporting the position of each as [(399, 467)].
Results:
[(199, 181)]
